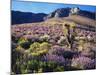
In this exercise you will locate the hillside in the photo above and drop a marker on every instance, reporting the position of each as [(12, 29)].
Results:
[(47, 43), (71, 13), (80, 20), (26, 17), (65, 12), (58, 43)]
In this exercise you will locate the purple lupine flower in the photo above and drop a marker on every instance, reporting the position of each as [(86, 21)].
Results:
[(58, 50), (83, 63), (54, 58)]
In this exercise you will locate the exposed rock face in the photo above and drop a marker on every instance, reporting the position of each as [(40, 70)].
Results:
[(74, 11), (62, 12), (65, 12)]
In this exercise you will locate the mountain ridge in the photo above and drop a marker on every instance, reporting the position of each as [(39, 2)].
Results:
[(19, 17), (65, 12), (26, 17)]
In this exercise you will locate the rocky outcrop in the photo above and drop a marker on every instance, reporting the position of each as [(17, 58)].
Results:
[(65, 12), (62, 12)]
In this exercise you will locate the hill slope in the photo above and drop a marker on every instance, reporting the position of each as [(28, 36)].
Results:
[(26, 17)]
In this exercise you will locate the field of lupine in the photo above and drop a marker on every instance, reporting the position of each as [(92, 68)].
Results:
[(38, 48)]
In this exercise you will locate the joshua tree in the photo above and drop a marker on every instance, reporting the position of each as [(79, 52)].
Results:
[(70, 34)]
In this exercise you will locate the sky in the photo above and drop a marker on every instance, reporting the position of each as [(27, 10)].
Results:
[(43, 7)]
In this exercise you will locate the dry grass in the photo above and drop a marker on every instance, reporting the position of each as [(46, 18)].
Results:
[(82, 20), (74, 18)]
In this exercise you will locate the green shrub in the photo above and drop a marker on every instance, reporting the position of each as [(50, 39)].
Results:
[(19, 48), (37, 49), (24, 43), (33, 64), (59, 68), (45, 38), (34, 47), (44, 45)]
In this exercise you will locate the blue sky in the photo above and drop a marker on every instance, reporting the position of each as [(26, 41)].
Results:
[(42, 7)]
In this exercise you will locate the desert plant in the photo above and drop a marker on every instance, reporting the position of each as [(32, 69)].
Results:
[(39, 48), (83, 63), (24, 43)]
